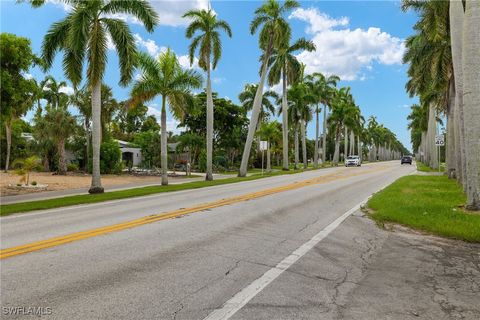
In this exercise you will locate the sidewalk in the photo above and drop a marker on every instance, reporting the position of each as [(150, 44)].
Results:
[(72, 192)]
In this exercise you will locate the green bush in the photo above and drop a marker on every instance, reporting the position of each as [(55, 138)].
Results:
[(202, 161), (220, 161), (72, 167), (34, 183), (110, 157)]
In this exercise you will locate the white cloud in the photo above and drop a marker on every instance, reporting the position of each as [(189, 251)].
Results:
[(318, 21), (153, 111), (171, 123), (28, 76), (218, 80), (61, 4), (68, 90), (172, 126), (170, 12), (184, 61), (278, 88), (343, 51), (110, 44), (154, 50)]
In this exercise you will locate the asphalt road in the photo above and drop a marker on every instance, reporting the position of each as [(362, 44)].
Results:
[(290, 254)]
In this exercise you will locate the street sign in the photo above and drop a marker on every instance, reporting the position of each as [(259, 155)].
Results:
[(263, 145), (439, 140)]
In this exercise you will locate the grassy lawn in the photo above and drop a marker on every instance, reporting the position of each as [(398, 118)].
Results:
[(428, 203), (123, 194), (425, 168)]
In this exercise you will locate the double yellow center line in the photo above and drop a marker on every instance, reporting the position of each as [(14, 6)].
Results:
[(56, 241)]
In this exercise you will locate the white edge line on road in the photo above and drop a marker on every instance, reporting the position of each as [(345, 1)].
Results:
[(239, 300)]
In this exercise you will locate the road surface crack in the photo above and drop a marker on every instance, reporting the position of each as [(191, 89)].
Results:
[(232, 268), (174, 316)]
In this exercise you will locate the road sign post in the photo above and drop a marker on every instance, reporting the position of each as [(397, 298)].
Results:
[(439, 142), (263, 147)]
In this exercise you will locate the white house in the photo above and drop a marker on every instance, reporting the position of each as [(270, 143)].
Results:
[(129, 154)]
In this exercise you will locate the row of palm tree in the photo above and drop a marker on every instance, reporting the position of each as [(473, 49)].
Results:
[(82, 36), (443, 57), (307, 96)]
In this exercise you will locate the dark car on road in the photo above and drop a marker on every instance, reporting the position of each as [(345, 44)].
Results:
[(406, 159)]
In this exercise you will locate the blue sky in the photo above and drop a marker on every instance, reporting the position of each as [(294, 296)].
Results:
[(361, 41)]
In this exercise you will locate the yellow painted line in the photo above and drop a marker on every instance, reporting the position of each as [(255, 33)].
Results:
[(56, 241)]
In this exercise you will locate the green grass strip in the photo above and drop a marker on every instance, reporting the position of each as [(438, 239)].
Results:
[(425, 168), (428, 203), (123, 194)]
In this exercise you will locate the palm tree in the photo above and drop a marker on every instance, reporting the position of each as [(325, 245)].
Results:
[(191, 142), (342, 106), (269, 131), (61, 125), (82, 100), (431, 71), (210, 48), (273, 36), (471, 98), (164, 77), (247, 96), (321, 88), (456, 15), (52, 91), (301, 98), (284, 66), (83, 34), (109, 106), (417, 126)]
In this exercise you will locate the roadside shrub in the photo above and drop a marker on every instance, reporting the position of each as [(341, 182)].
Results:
[(110, 157), (34, 183), (220, 161), (72, 167), (202, 161)]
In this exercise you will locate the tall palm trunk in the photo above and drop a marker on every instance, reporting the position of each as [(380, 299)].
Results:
[(336, 154), (209, 175), (345, 147), (324, 142), (317, 125), (450, 154), (304, 144), (296, 147), (456, 31), (257, 106), (284, 121), (359, 147), (352, 142), (424, 149), (96, 186), (163, 142), (87, 144), (8, 132), (46, 163), (269, 163), (471, 101), (62, 162), (432, 128)]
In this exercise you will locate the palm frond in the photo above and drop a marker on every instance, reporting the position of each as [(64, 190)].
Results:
[(140, 9), (124, 42)]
